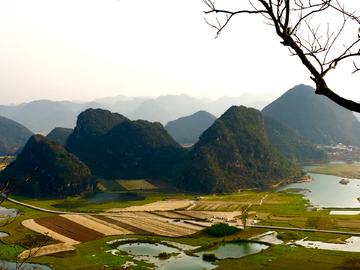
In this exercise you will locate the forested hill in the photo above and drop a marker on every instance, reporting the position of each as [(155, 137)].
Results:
[(60, 134), (12, 136), (115, 147), (235, 153), (291, 144), (60, 173), (91, 124), (315, 117), (187, 130)]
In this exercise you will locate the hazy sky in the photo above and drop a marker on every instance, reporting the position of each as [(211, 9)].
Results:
[(86, 49)]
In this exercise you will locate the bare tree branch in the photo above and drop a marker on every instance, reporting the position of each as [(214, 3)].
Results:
[(319, 50)]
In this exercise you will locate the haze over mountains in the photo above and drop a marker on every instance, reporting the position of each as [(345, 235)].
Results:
[(42, 116), (241, 149), (315, 117)]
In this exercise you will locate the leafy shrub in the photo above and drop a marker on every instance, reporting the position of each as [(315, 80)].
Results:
[(209, 256), (221, 229)]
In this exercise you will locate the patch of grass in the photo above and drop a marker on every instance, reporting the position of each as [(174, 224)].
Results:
[(342, 170)]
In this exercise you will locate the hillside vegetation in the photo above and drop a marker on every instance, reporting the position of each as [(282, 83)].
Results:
[(60, 134), (235, 153), (315, 117), (115, 147), (12, 136), (59, 173), (291, 144)]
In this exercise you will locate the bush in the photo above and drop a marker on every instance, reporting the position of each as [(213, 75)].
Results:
[(209, 256), (164, 255), (221, 229)]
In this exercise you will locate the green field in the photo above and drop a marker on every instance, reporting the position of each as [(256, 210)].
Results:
[(345, 170), (276, 209)]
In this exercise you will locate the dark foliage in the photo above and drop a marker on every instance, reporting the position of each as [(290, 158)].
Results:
[(12, 136), (235, 153), (59, 174), (291, 144), (60, 134), (315, 117), (115, 147), (222, 229)]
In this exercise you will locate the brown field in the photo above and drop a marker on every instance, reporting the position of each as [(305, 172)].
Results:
[(210, 214), (347, 223), (97, 224), (30, 223), (154, 226), (136, 184), (132, 229), (69, 228), (172, 215), (156, 206), (217, 206)]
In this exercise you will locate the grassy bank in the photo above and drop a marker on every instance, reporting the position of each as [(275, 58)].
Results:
[(345, 170)]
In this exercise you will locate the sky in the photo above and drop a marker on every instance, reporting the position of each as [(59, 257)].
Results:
[(86, 49)]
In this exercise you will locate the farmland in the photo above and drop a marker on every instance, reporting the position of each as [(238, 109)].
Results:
[(74, 236)]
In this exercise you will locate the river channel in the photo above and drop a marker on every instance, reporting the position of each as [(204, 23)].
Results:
[(326, 191)]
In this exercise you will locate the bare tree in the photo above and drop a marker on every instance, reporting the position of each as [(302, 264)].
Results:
[(300, 25), (37, 242)]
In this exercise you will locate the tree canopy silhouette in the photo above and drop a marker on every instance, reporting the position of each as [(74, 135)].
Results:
[(304, 27)]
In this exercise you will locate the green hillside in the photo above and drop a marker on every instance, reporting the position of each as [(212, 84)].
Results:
[(60, 134), (187, 130), (291, 144), (60, 173), (124, 149), (235, 153), (12, 136), (315, 117)]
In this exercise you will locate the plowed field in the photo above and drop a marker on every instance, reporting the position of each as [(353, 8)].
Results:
[(156, 226), (68, 228)]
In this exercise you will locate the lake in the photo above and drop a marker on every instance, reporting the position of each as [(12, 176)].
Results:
[(179, 261), (326, 191)]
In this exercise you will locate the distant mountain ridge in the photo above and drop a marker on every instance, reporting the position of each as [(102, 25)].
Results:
[(187, 130), (60, 134), (42, 116), (12, 136), (315, 117)]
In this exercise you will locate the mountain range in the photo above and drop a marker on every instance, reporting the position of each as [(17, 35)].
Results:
[(42, 116)]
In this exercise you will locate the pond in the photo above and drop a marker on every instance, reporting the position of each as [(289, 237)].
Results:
[(179, 260), (236, 250), (7, 212), (13, 266)]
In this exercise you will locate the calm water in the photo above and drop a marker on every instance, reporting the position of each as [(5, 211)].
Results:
[(236, 250), (146, 251), (326, 191)]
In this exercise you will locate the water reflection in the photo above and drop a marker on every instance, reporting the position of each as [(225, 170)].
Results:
[(236, 250), (325, 190)]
